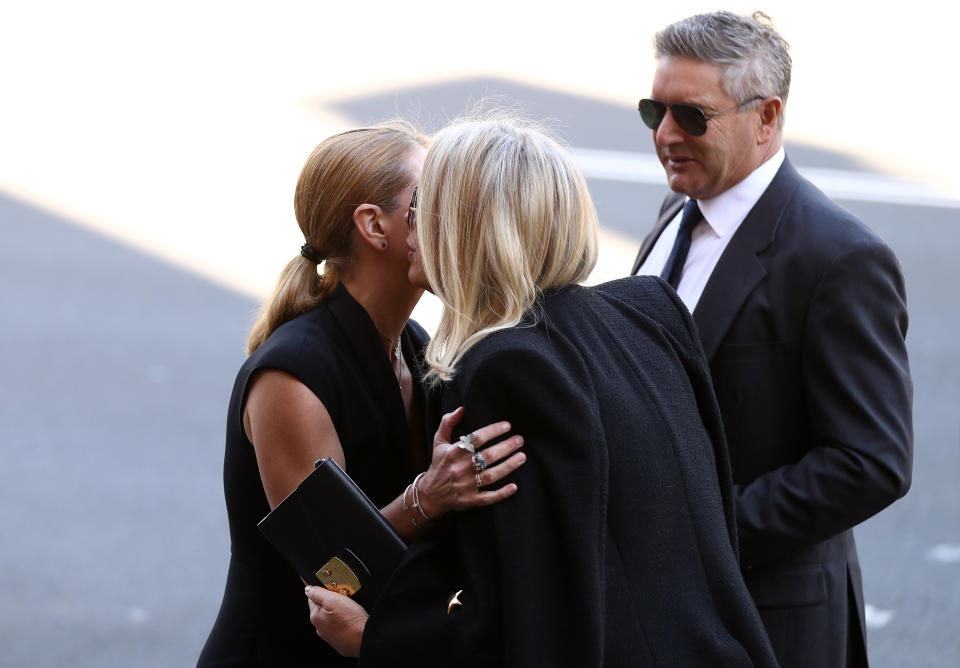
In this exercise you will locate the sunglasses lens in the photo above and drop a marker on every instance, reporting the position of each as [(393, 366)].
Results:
[(690, 119), (652, 112)]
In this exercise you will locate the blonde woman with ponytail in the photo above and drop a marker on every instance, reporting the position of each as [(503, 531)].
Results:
[(619, 549), (335, 370)]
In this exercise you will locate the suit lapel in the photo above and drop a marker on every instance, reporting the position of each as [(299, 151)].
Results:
[(671, 205), (740, 269)]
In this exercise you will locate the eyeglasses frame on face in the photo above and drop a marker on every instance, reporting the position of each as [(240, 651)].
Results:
[(684, 125), (412, 213)]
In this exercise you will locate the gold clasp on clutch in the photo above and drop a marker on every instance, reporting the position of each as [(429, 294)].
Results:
[(337, 576)]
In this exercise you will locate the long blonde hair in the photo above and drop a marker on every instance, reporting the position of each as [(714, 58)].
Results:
[(504, 215), (365, 165)]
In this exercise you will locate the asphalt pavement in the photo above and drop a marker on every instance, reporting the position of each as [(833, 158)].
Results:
[(116, 368)]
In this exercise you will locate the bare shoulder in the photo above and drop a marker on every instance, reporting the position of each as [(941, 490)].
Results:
[(289, 428), (279, 391)]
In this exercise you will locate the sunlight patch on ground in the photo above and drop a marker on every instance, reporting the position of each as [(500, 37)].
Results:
[(181, 127)]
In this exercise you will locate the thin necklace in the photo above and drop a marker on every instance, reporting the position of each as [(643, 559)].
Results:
[(396, 351), (396, 348)]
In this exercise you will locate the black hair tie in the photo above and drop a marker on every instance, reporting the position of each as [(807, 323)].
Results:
[(311, 253)]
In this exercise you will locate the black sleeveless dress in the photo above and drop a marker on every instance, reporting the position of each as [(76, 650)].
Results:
[(334, 350)]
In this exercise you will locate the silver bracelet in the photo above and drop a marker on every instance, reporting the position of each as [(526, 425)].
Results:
[(404, 502), (416, 498)]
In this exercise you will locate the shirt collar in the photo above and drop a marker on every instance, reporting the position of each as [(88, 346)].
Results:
[(726, 211)]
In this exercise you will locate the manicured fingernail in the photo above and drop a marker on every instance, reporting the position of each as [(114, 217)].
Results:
[(505, 425), (306, 589)]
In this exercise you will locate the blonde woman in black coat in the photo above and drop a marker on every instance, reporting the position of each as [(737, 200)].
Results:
[(619, 548)]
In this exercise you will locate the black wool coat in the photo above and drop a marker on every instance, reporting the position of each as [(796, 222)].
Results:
[(619, 547)]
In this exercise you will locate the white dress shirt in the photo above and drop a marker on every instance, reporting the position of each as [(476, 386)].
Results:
[(722, 216)]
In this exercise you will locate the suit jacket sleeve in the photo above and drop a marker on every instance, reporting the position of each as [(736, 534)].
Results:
[(858, 399), (550, 535)]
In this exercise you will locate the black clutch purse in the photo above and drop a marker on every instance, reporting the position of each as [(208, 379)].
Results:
[(334, 536)]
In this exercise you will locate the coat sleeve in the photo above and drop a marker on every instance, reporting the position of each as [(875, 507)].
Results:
[(690, 352), (550, 535), (858, 398)]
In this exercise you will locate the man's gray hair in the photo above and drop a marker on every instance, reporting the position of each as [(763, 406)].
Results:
[(755, 56)]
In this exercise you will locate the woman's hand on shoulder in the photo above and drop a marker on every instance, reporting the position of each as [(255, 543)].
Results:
[(458, 479)]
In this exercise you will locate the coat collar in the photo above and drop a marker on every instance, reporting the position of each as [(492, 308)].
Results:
[(741, 266), (373, 362)]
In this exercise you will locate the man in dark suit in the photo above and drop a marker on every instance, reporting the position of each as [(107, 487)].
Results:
[(801, 310)]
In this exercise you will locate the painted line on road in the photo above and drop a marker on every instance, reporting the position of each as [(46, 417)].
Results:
[(945, 554), (837, 183), (138, 616), (877, 618)]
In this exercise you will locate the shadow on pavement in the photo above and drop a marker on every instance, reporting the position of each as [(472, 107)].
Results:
[(115, 371)]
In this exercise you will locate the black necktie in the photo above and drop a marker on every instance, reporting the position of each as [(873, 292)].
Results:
[(678, 256)]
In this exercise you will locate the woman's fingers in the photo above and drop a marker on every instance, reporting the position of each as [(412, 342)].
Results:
[(338, 619), (331, 602), (490, 497), (447, 423), (504, 448), (486, 434), (500, 460), (451, 481), (492, 474)]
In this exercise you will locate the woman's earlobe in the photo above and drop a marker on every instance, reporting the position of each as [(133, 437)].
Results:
[(366, 220)]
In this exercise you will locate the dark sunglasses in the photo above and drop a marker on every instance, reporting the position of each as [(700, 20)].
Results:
[(691, 119), (412, 214)]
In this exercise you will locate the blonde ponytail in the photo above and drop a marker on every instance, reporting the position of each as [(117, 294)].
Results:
[(298, 289)]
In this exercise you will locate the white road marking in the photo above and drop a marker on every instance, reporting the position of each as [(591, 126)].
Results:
[(837, 183), (877, 618), (945, 554), (138, 616)]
